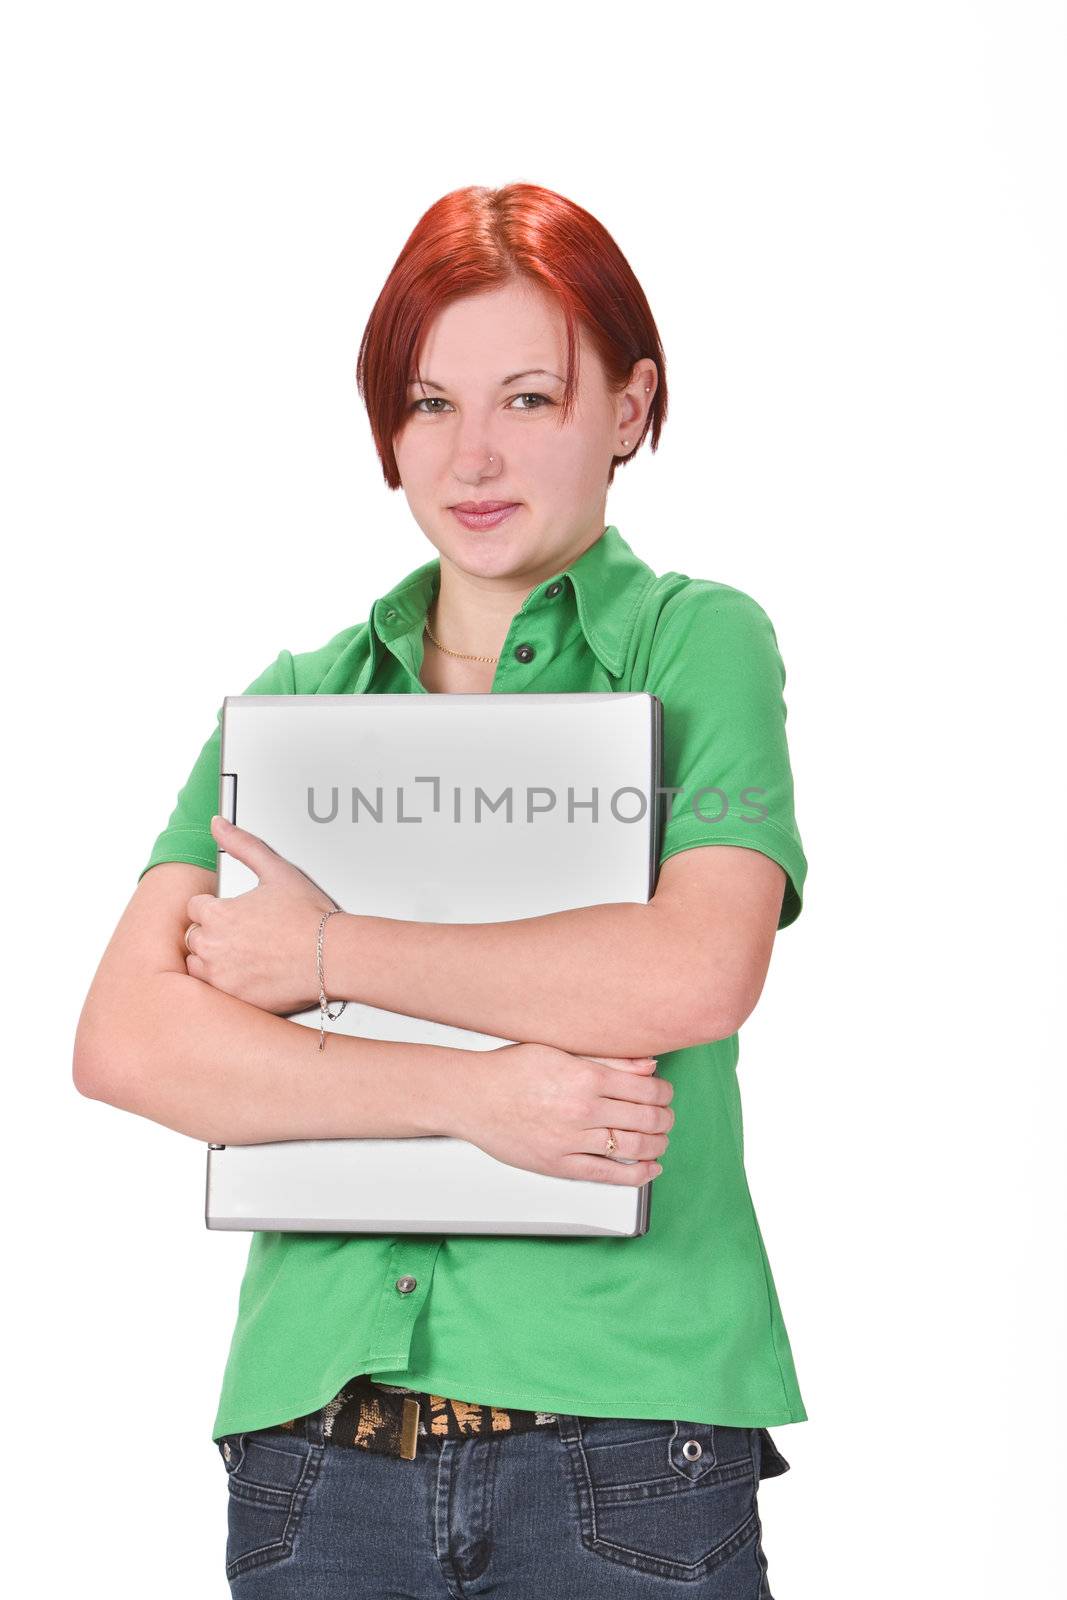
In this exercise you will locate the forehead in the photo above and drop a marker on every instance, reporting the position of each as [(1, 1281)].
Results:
[(482, 338)]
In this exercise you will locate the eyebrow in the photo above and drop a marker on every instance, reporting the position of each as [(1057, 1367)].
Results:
[(531, 372)]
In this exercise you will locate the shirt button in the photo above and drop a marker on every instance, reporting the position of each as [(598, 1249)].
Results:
[(553, 590), (692, 1450), (524, 652), (405, 1285)]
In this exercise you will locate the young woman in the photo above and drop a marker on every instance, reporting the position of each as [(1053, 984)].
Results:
[(519, 1416)]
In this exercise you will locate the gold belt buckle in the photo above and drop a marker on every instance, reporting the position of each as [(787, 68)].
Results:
[(409, 1429)]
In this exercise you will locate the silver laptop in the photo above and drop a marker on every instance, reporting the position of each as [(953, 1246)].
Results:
[(436, 808)]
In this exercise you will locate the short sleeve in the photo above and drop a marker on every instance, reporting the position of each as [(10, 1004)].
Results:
[(715, 666), (187, 836)]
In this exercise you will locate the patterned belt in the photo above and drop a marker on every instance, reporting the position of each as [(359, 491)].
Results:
[(388, 1418)]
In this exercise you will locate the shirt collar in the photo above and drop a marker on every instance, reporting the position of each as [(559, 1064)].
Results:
[(608, 581)]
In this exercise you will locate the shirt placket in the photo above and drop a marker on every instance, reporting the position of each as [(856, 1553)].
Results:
[(406, 1285), (534, 639)]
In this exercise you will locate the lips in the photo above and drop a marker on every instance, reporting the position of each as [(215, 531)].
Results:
[(498, 511), (481, 507)]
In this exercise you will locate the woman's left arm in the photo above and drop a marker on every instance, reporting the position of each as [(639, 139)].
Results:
[(623, 979), (626, 979)]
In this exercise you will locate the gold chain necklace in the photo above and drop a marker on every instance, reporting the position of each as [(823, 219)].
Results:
[(458, 653)]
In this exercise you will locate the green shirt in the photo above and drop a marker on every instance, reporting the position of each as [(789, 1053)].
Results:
[(685, 1321)]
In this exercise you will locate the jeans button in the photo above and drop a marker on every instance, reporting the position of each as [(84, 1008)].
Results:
[(692, 1450)]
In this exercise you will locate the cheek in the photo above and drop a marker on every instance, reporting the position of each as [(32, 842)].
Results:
[(569, 455), (579, 462), (422, 464)]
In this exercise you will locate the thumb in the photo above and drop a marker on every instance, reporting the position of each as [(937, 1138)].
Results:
[(247, 847)]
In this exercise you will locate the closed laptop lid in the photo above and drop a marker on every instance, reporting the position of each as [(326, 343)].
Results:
[(443, 808)]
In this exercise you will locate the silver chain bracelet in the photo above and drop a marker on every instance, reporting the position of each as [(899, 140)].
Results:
[(323, 1003)]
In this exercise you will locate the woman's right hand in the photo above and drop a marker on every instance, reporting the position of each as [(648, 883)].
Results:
[(545, 1110)]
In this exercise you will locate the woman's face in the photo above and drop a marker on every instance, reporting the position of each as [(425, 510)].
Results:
[(461, 412)]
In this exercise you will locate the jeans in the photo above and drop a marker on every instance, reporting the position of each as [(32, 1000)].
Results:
[(582, 1509)]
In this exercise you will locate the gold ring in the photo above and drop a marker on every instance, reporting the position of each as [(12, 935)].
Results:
[(188, 931), (611, 1142)]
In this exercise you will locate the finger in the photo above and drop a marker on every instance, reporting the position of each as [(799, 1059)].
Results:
[(648, 1091), (633, 1116), (247, 847), (638, 1064), (599, 1169), (200, 906), (632, 1146)]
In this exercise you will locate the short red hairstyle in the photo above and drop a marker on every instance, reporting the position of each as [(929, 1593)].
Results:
[(476, 239)]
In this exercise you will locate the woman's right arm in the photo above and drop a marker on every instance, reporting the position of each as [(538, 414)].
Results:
[(157, 1042)]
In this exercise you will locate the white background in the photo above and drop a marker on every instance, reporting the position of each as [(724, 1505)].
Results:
[(849, 223)]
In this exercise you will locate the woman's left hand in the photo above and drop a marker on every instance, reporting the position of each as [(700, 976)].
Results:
[(261, 945)]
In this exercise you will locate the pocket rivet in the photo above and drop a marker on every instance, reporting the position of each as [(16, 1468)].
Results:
[(227, 1452), (692, 1450)]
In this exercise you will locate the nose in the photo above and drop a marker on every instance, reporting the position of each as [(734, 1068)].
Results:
[(476, 454)]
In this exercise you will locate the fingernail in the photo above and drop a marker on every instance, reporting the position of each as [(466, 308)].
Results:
[(656, 1170)]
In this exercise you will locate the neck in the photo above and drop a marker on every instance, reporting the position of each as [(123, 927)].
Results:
[(473, 621), (472, 615)]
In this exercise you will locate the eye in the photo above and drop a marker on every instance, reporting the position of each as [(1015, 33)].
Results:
[(545, 401), (541, 400)]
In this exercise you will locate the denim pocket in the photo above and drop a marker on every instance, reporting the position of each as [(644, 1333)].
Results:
[(674, 1499), (269, 1475)]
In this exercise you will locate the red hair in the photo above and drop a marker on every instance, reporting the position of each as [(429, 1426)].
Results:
[(476, 239)]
